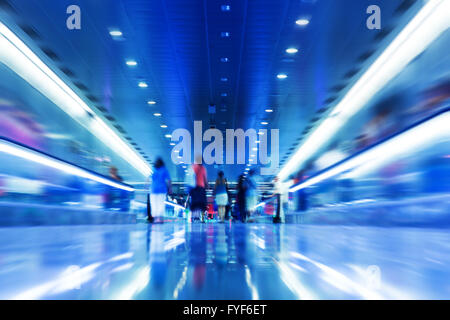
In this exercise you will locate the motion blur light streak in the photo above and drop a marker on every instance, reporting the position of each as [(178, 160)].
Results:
[(123, 267), (173, 243), (20, 59), (293, 283), (435, 129), (66, 281), (123, 256), (181, 283), (431, 21), (174, 205), (248, 279), (34, 156), (340, 281), (138, 284)]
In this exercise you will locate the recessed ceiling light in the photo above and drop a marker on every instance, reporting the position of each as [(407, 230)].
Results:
[(172, 143), (151, 102), (224, 79), (281, 76), (131, 63), (157, 114), (163, 126), (257, 141), (291, 50), (224, 94), (225, 34), (302, 22), (168, 136), (142, 84), (225, 7), (264, 123), (224, 59), (254, 149), (269, 110), (115, 33)]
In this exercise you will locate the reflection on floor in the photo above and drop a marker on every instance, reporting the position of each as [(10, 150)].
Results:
[(223, 261)]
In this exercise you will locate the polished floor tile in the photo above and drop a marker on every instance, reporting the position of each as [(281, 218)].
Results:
[(223, 261)]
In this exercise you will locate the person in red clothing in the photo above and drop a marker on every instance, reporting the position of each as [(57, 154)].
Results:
[(198, 194)]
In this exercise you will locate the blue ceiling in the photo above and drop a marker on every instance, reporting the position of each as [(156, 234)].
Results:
[(178, 45)]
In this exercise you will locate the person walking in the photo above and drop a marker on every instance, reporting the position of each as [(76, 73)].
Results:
[(252, 194), (198, 194), (221, 193), (161, 185), (241, 198)]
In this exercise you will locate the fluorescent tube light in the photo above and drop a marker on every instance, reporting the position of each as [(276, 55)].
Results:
[(20, 59), (414, 139), (419, 33), (34, 156)]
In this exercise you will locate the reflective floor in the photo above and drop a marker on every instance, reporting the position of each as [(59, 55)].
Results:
[(223, 261)]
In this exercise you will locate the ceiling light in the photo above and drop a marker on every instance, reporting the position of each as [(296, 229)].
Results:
[(224, 79), (224, 59), (224, 94), (257, 141), (142, 84), (168, 136), (426, 26), (269, 110), (151, 102), (264, 123), (225, 7), (163, 126), (19, 58), (302, 22), (225, 34), (254, 149), (261, 133), (172, 143), (281, 76), (131, 63), (157, 114), (115, 33), (291, 50)]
